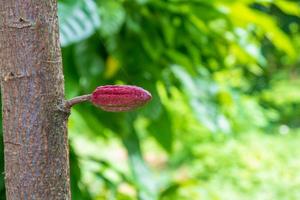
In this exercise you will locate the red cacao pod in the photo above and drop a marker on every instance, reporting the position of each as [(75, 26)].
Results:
[(120, 98)]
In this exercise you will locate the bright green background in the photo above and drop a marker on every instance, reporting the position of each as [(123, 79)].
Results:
[(224, 122)]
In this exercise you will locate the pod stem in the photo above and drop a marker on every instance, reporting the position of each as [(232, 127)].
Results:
[(76, 100)]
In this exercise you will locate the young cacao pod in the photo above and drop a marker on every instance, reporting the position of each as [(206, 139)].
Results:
[(120, 98)]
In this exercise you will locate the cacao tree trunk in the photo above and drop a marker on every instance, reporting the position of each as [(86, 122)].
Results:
[(32, 88)]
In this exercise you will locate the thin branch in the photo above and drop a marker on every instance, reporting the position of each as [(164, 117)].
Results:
[(77, 100)]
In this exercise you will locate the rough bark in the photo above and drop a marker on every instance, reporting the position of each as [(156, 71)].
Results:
[(34, 120)]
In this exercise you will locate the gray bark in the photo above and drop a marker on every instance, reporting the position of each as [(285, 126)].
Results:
[(32, 88)]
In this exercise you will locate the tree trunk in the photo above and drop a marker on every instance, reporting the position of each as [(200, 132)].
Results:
[(32, 87)]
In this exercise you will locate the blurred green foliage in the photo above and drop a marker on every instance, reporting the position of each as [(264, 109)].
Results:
[(224, 119)]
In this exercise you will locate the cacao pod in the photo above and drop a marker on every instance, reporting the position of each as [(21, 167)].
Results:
[(120, 98)]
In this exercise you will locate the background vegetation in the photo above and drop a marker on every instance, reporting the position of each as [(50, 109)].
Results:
[(224, 121)]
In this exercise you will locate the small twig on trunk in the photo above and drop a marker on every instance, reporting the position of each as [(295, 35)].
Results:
[(77, 100)]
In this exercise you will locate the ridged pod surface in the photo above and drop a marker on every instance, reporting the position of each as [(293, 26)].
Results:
[(120, 98)]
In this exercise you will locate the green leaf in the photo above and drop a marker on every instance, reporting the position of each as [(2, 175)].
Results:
[(143, 176), (288, 7), (201, 94), (113, 17), (161, 130), (79, 192), (244, 16), (77, 21), (88, 63)]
